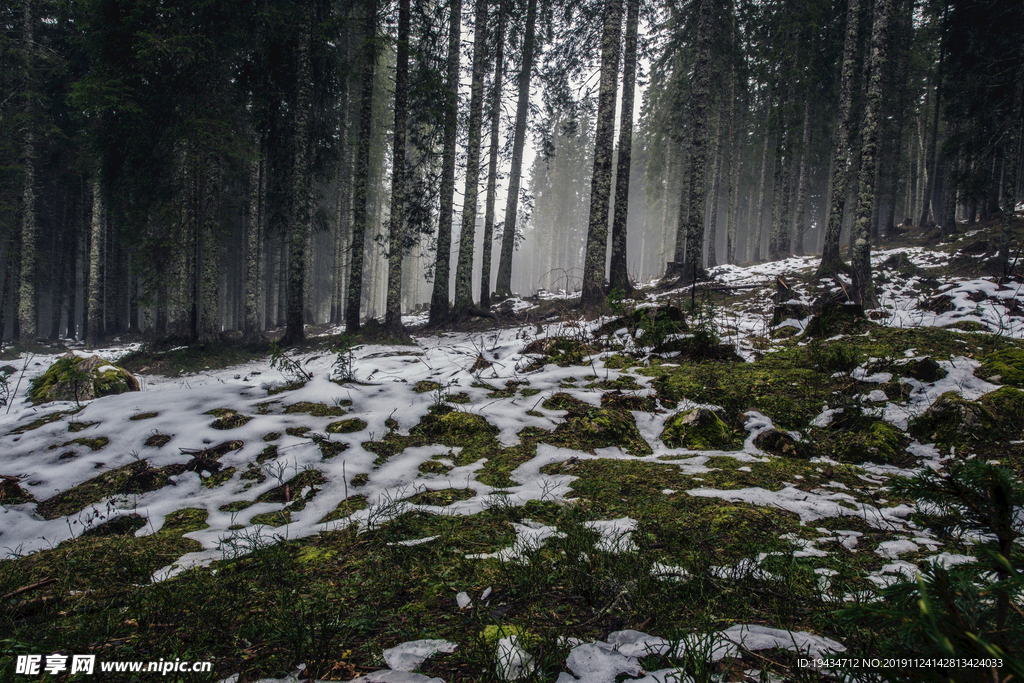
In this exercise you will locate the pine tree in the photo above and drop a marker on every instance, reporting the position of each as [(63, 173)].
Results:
[(619, 281), (596, 249), (396, 237)]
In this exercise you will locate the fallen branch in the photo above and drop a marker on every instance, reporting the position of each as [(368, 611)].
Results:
[(25, 589)]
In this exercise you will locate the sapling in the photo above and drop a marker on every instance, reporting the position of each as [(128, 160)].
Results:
[(969, 610)]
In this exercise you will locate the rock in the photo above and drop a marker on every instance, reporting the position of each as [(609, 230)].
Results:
[(836, 317), (795, 311), (926, 370), (74, 378), (778, 443), (952, 420), (698, 429), (1006, 367)]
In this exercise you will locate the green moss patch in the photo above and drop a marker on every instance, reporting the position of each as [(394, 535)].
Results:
[(345, 509), (143, 416), (589, 428), (1004, 367), (699, 429), (435, 467), (43, 421), (227, 418), (275, 518), (441, 497), (11, 492), (80, 426), (137, 477), (353, 424), (93, 444), (425, 385), (236, 506), (297, 431), (290, 490), (315, 409), (869, 441)]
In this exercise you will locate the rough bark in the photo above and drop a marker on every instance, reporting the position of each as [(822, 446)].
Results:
[(619, 272), (208, 263), (863, 286), (503, 286), (1011, 161), (29, 227), (755, 229), (800, 226), (831, 261), (492, 168), (601, 181), (253, 239), (93, 310), (396, 229), (716, 186), (467, 233), (362, 171), (931, 169), (442, 266)]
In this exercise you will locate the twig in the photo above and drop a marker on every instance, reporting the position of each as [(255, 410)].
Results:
[(32, 586), (23, 371)]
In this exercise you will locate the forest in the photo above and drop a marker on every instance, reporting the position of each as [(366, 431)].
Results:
[(203, 168)]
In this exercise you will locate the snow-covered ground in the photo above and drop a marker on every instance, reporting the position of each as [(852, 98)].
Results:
[(387, 377)]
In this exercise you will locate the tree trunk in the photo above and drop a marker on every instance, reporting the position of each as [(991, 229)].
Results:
[(467, 233), (299, 228), (396, 232), (619, 272), (93, 309), (863, 287), (831, 261), (755, 229), (29, 228), (735, 161), (931, 169), (362, 171), (492, 169), (253, 240), (716, 186), (800, 227), (1011, 161), (208, 264), (439, 305), (601, 181), (503, 286)]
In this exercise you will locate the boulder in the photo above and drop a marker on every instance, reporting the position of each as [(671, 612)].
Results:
[(777, 442), (953, 420), (74, 378)]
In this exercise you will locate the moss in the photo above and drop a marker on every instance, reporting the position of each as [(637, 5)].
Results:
[(620, 362), (296, 431), (462, 398), (73, 378), (236, 506), (1007, 407), (275, 519), (353, 424), (880, 442), (442, 497), (272, 436), (158, 440), (434, 467), (290, 490), (330, 449), (227, 419), (294, 385), (137, 477), (425, 385), (11, 492), (253, 474), (269, 453), (80, 426), (184, 521), (1007, 365), (953, 421), (698, 429), (360, 479), (143, 416), (218, 478), (43, 421), (345, 509), (94, 444), (315, 409), (586, 429), (623, 383), (563, 401)]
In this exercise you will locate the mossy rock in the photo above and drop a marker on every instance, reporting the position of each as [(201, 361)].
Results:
[(353, 424), (456, 428), (837, 318), (926, 370), (952, 421), (1004, 367), (881, 443), (698, 429), (1007, 407), (73, 378)]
